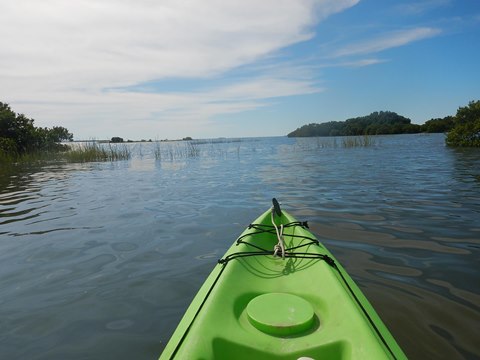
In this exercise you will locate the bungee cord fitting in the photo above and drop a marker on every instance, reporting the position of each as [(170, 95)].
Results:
[(280, 246)]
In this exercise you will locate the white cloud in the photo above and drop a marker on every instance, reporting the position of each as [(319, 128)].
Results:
[(387, 41), (58, 57), (124, 42)]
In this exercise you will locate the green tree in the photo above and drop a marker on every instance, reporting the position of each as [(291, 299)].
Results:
[(378, 122), (466, 130), (17, 128), (116, 139), (439, 125), (59, 134), (18, 135)]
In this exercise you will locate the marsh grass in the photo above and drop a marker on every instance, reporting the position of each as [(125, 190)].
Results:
[(6, 158), (193, 149), (93, 152), (181, 150), (176, 150), (71, 153), (157, 151), (326, 142), (31, 157), (358, 141), (306, 144)]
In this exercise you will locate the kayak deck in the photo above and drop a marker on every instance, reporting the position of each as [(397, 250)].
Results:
[(257, 306)]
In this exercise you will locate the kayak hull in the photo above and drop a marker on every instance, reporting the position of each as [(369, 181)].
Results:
[(258, 306)]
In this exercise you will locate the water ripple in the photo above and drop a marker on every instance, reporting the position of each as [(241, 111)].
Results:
[(102, 259)]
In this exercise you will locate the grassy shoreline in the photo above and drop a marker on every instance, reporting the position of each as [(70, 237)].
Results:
[(72, 153)]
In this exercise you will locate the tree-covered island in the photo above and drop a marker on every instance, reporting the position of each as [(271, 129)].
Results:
[(377, 123), (463, 129)]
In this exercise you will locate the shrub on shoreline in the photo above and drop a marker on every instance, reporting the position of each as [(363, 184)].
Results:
[(18, 135), (466, 131)]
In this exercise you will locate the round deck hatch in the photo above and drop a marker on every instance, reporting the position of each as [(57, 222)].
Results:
[(280, 314)]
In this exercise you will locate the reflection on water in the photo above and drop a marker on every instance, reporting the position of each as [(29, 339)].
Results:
[(101, 260)]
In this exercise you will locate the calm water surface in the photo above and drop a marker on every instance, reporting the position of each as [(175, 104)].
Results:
[(100, 260)]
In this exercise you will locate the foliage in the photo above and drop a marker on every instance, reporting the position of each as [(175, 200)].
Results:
[(19, 136), (439, 125), (116, 139), (466, 130), (8, 146), (382, 122)]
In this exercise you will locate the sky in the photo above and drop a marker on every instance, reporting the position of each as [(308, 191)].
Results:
[(168, 69)]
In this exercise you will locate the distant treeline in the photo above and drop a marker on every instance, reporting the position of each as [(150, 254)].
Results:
[(377, 123)]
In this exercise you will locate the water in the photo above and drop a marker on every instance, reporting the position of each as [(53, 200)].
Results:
[(100, 260)]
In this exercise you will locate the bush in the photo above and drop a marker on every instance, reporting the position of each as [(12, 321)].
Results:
[(19, 136), (466, 130), (8, 146)]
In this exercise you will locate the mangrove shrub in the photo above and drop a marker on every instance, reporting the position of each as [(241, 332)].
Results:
[(18, 135), (466, 130)]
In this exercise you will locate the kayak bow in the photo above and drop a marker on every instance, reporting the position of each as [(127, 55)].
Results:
[(297, 304)]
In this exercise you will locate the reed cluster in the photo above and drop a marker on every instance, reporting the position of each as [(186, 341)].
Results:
[(188, 150), (329, 142), (31, 157), (92, 151), (358, 141)]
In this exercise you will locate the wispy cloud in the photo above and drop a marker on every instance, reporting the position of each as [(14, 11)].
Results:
[(421, 6), (107, 43), (72, 61), (361, 62), (387, 41)]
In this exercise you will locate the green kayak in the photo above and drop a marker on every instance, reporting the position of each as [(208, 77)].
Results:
[(280, 294)]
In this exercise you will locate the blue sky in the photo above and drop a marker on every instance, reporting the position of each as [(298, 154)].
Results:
[(143, 69)]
